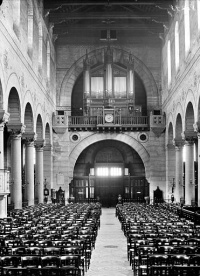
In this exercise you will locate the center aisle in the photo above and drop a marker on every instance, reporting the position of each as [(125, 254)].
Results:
[(110, 254)]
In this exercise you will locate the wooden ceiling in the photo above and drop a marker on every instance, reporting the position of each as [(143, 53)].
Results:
[(138, 16)]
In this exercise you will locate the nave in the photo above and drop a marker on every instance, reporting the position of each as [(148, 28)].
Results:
[(86, 239)]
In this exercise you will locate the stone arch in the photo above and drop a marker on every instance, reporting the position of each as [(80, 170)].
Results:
[(144, 73), (189, 119), (168, 123), (133, 143), (190, 98), (39, 127), (178, 127), (47, 134), (28, 118), (14, 106), (13, 82)]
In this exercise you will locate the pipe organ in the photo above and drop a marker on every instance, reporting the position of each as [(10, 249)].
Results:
[(109, 86)]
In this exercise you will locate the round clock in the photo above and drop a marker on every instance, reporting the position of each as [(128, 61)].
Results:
[(109, 118)]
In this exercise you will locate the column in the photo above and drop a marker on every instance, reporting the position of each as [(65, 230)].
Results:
[(48, 170), (189, 172), (198, 159), (39, 170), (178, 189), (170, 170), (4, 187), (16, 169), (29, 168)]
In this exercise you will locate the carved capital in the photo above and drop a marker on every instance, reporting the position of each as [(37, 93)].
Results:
[(16, 129), (39, 144), (196, 127), (178, 143), (29, 138), (189, 136), (4, 117)]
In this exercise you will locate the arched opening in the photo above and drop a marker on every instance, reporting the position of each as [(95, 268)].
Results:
[(191, 188), (39, 128), (106, 169), (170, 164), (14, 106), (28, 118), (179, 189)]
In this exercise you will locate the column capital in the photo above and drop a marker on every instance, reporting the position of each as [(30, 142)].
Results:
[(178, 143), (29, 137), (189, 137), (196, 127), (16, 129), (4, 116), (39, 144)]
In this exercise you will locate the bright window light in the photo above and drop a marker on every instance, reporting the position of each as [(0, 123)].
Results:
[(105, 171), (102, 171), (115, 171)]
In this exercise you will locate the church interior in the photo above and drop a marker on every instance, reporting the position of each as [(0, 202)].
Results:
[(99, 115)]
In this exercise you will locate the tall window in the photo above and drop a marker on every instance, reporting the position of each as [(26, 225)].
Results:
[(187, 26), (16, 16), (198, 13), (40, 46), (177, 45), (30, 28), (169, 62), (48, 60)]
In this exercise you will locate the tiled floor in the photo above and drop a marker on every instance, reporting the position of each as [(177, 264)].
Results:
[(109, 258)]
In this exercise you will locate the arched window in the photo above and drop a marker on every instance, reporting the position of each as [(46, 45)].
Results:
[(16, 16), (169, 62), (40, 47), (177, 45), (48, 60), (30, 28), (198, 14), (187, 26)]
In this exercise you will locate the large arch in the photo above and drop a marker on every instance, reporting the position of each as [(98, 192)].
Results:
[(64, 97), (13, 82), (133, 143)]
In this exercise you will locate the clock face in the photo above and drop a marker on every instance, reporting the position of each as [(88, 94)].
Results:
[(109, 118)]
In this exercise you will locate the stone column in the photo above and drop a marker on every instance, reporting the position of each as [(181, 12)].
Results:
[(189, 172), (16, 170), (178, 189), (39, 171), (29, 167), (48, 170), (198, 160), (4, 186), (170, 169)]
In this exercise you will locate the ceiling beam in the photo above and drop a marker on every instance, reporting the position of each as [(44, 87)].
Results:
[(56, 18), (50, 4)]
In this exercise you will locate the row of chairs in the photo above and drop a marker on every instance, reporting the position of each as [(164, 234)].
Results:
[(51, 231), (41, 265), (152, 230)]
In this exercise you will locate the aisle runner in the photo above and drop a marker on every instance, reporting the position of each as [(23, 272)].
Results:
[(109, 258)]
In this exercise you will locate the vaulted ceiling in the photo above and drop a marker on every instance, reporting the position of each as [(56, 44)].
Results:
[(137, 17)]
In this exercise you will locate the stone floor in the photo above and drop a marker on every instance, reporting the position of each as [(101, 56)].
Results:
[(109, 258)]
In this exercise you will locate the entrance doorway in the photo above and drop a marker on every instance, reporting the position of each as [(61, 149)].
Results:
[(108, 189)]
